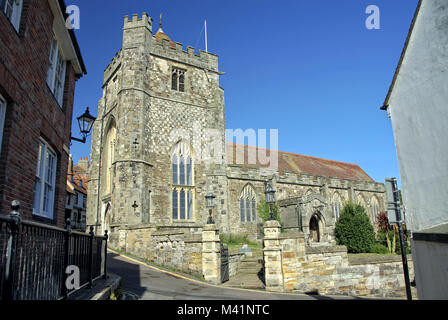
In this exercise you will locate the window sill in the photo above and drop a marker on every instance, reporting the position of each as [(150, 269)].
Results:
[(55, 99), (184, 221), (17, 32), (43, 219)]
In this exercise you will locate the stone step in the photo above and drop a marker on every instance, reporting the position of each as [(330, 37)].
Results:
[(251, 265), (248, 283), (247, 274), (253, 259)]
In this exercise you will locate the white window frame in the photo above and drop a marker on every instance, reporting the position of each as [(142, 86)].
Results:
[(56, 71), (45, 177), (2, 118), (14, 12)]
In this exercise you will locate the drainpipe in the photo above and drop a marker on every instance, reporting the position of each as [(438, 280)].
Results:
[(99, 160)]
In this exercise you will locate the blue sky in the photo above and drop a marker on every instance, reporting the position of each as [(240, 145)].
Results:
[(310, 69)]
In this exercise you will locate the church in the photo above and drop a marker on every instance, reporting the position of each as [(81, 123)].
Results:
[(162, 108)]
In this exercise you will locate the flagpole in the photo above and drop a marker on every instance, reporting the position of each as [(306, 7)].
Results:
[(206, 47)]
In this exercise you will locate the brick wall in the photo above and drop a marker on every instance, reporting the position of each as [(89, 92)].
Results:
[(32, 110)]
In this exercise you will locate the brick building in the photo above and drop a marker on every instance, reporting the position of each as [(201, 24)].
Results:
[(76, 204), (80, 173), (40, 62), (162, 110)]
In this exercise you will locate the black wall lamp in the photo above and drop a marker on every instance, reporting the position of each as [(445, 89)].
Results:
[(85, 122)]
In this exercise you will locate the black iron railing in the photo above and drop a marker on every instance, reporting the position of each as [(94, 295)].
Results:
[(37, 260)]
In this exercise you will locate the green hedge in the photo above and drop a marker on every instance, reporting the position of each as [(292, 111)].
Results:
[(354, 230), (379, 249)]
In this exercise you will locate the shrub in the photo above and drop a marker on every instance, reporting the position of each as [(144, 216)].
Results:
[(263, 210), (354, 229), (386, 232), (379, 249)]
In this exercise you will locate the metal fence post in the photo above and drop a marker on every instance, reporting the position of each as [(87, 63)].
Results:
[(92, 235), (8, 290), (66, 257), (106, 237)]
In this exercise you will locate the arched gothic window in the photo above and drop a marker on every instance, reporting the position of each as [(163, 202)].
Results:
[(336, 205), (248, 205), (183, 190), (374, 208), (178, 79), (361, 201), (109, 157)]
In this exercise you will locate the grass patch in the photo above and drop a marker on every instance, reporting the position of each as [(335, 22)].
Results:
[(117, 294), (235, 241)]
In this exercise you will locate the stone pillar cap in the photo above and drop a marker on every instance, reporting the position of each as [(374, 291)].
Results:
[(272, 224), (209, 227)]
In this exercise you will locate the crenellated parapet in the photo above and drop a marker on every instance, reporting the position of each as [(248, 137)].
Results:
[(164, 48), (175, 51), (112, 67), (136, 22)]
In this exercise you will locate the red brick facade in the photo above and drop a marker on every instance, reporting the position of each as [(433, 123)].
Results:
[(32, 111)]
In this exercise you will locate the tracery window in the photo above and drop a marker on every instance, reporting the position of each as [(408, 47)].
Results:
[(374, 208), (109, 155), (248, 204), (336, 205), (183, 190)]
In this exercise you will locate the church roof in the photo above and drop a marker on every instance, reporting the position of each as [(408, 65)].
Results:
[(299, 164), (161, 35)]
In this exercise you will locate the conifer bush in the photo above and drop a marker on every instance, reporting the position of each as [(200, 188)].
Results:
[(354, 230)]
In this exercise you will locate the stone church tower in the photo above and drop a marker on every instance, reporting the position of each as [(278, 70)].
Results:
[(160, 107), (158, 148)]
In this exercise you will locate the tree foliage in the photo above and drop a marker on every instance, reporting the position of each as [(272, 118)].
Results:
[(354, 230), (386, 231)]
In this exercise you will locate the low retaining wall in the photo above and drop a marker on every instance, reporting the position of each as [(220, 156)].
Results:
[(292, 266), (235, 262), (197, 253), (171, 248)]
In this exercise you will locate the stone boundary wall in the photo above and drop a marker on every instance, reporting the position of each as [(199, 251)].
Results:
[(171, 248), (291, 266), (235, 260), (192, 253)]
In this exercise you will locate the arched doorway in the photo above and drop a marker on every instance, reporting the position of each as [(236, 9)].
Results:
[(314, 229)]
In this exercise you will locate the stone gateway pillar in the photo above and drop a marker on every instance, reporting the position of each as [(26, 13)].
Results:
[(272, 257), (211, 254)]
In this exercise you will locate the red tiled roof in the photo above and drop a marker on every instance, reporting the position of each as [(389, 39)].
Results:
[(299, 164)]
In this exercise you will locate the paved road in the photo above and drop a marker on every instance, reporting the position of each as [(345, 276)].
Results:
[(144, 282)]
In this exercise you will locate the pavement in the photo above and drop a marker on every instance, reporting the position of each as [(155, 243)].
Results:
[(101, 289), (145, 282)]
